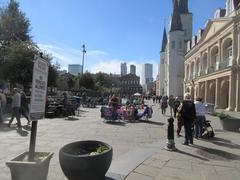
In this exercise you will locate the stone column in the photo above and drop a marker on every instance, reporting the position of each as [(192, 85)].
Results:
[(234, 47), (232, 89), (219, 54), (206, 91), (237, 108), (217, 93)]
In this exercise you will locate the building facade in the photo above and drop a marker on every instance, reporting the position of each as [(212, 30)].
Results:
[(147, 74), (212, 65), (173, 49), (74, 69), (132, 69), (123, 69), (130, 84)]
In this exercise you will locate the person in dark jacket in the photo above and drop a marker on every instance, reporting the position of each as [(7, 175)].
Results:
[(24, 106), (188, 114)]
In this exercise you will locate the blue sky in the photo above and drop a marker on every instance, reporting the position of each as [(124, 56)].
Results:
[(113, 31)]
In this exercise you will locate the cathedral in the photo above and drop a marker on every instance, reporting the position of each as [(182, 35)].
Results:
[(174, 47)]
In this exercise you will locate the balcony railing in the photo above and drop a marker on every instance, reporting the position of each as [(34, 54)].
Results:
[(224, 64), (211, 69)]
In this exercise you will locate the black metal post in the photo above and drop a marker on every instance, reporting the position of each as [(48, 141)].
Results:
[(32, 140), (170, 146)]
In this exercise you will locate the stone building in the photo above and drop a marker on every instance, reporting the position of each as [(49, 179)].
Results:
[(130, 84), (212, 65), (173, 49)]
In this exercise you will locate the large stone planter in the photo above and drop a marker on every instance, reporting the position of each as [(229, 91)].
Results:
[(22, 169), (230, 123), (77, 163)]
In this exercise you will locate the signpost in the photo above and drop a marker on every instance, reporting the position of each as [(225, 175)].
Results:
[(38, 99)]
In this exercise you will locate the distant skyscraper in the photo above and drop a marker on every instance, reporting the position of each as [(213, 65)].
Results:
[(147, 74), (74, 69), (123, 69), (133, 69)]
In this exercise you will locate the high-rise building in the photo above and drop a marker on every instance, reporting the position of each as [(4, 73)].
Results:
[(133, 69), (147, 74), (174, 47), (74, 69), (123, 69)]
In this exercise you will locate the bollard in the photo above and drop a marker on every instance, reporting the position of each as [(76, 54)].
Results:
[(170, 146)]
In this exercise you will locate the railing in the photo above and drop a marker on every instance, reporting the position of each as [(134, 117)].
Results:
[(211, 69), (224, 64)]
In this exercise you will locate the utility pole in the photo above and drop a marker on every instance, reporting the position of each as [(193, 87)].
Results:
[(84, 52)]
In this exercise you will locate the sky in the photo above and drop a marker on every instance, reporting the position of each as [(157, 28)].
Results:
[(113, 31)]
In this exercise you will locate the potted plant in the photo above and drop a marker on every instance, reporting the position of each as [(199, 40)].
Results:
[(228, 122), (23, 169), (86, 160)]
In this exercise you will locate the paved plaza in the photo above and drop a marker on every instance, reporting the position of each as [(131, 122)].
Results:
[(138, 148)]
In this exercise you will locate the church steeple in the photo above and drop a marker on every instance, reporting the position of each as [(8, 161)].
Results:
[(236, 4), (164, 40), (176, 23), (183, 6)]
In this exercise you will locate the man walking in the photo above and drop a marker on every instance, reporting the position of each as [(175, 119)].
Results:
[(188, 114), (16, 104)]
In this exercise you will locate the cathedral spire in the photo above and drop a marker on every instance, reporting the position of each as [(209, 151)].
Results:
[(236, 4), (183, 6), (176, 23), (164, 40)]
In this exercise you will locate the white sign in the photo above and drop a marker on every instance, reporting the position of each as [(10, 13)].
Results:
[(39, 89)]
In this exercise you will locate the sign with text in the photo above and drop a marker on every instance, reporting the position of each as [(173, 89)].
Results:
[(39, 89)]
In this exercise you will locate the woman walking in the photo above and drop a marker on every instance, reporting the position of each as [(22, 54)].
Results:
[(200, 117)]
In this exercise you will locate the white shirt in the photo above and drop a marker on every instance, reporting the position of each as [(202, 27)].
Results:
[(200, 108)]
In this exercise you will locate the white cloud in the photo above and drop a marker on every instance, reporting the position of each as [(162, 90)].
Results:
[(95, 60)]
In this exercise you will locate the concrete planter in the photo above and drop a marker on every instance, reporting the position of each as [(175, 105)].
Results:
[(77, 162), (230, 123), (22, 169)]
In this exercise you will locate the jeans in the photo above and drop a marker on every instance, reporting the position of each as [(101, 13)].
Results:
[(199, 126), (16, 113), (188, 133)]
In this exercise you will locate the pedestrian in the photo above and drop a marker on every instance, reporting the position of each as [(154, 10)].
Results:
[(188, 114), (176, 105), (179, 123), (24, 106), (171, 104), (1, 116), (200, 116), (16, 104), (164, 104)]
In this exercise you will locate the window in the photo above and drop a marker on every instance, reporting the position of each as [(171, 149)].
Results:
[(180, 44), (229, 52), (173, 44)]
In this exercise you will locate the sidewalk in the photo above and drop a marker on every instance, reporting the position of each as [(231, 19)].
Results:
[(137, 148), (213, 159)]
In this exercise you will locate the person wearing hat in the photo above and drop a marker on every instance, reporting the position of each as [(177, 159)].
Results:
[(16, 105)]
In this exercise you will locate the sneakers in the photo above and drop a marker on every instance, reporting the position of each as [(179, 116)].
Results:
[(185, 143)]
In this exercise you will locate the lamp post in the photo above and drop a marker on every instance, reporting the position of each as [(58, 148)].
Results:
[(84, 52)]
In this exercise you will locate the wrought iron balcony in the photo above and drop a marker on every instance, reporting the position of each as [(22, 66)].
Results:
[(211, 69), (223, 64)]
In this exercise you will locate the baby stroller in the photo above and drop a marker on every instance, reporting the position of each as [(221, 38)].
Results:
[(207, 130)]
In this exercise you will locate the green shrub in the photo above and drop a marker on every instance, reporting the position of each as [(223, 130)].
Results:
[(222, 115)]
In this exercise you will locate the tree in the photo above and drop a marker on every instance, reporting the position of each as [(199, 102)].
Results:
[(86, 80), (14, 26)]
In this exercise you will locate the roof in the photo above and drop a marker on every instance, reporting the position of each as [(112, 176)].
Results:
[(164, 40), (176, 23)]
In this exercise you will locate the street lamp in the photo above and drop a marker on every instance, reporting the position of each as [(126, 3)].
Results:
[(84, 52)]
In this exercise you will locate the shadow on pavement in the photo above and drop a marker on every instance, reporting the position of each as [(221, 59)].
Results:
[(192, 155), (22, 133), (152, 122), (5, 128), (27, 127), (117, 123), (71, 118), (216, 154), (223, 142)]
